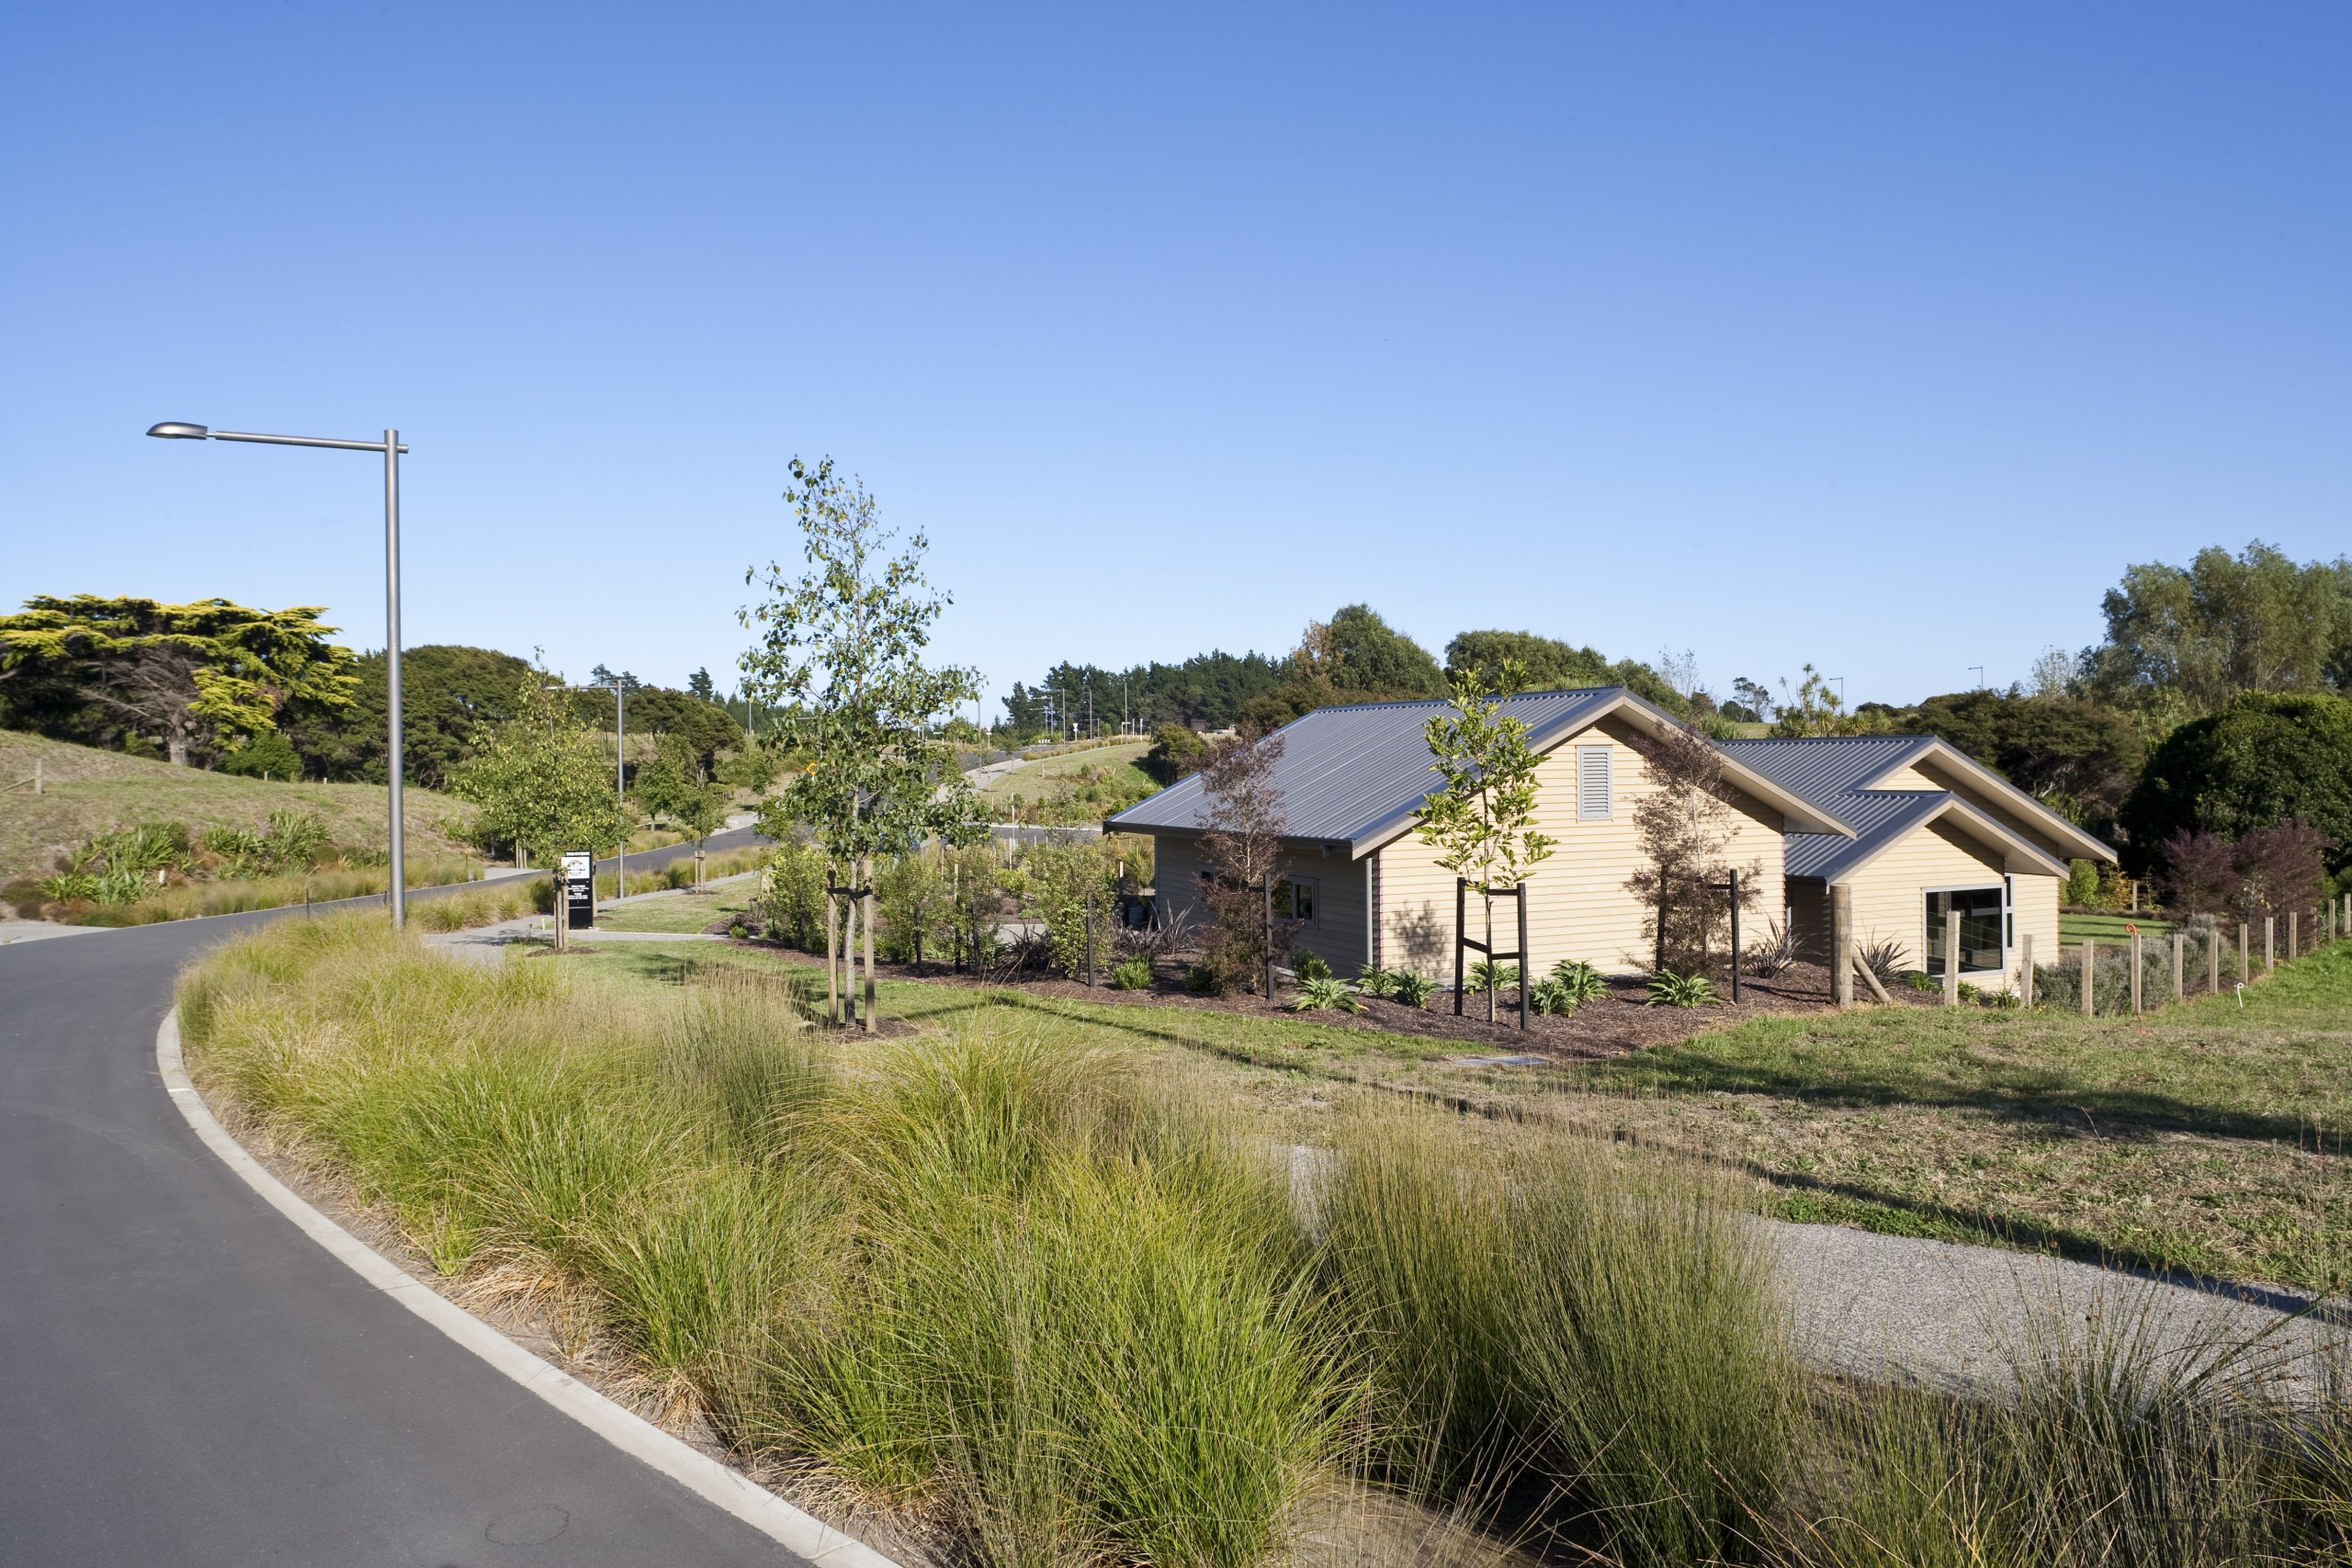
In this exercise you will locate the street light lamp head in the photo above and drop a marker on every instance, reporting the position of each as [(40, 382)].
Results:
[(172, 430)]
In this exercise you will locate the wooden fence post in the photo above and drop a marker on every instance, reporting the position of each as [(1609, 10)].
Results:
[(2294, 935), (2213, 951), (2136, 968), (2270, 943), (1461, 914), (1841, 945), (2179, 967), (2246, 954), (1951, 957), (2090, 973), (2025, 972)]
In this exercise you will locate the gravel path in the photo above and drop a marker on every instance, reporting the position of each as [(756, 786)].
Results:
[(1956, 1319)]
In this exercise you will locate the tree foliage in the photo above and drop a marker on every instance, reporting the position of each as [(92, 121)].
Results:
[(1242, 823), (447, 693), (2270, 871), (200, 681), (1684, 823), (542, 778), (1550, 665), (2184, 642), (2265, 760), (2078, 756), (1367, 660), (704, 728), (678, 786), (1206, 692)]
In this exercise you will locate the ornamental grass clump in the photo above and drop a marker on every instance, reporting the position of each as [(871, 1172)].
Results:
[(1562, 1313)]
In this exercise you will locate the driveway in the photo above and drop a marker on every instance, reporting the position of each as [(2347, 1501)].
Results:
[(185, 1377)]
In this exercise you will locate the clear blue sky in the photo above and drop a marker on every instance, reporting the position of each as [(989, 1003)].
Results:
[(1878, 336)]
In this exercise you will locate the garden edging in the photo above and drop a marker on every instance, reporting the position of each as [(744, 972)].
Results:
[(797, 1531)]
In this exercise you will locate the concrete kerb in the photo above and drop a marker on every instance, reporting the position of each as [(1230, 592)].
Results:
[(796, 1531)]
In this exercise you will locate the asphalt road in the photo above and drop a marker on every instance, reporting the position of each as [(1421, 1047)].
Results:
[(185, 1377), (654, 859)]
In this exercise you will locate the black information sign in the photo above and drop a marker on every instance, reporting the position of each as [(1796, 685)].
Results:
[(579, 889)]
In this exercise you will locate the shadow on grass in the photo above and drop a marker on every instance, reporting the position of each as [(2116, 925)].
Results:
[(1799, 1060)]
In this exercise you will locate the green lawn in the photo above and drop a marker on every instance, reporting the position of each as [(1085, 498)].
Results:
[(2072, 929), (2206, 1137), (85, 791), (679, 912)]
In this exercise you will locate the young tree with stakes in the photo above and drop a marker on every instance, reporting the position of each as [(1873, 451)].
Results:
[(1481, 821), (1242, 848), (838, 665)]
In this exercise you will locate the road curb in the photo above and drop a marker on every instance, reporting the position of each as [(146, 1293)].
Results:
[(789, 1527)]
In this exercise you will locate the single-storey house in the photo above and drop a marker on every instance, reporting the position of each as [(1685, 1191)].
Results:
[(1905, 826)]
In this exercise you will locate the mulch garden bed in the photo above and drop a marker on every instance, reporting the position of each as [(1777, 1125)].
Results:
[(1612, 1025)]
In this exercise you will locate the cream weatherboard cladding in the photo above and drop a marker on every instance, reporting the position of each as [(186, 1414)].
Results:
[(1577, 903)]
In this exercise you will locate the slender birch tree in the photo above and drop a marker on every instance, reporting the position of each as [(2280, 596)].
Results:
[(838, 665), (1481, 820)]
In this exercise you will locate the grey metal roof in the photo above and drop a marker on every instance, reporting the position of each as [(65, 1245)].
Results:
[(1826, 770), (1877, 816), (1346, 773)]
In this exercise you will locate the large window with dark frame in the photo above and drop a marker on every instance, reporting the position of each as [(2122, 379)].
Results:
[(1983, 927)]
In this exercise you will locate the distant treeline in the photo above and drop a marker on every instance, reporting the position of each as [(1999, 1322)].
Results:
[(1353, 657)]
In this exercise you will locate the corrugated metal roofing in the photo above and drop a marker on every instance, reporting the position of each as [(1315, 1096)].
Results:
[(1826, 770), (1876, 815), (1347, 771)]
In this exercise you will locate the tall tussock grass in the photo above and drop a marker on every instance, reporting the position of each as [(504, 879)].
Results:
[(1048, 1313), (1557, 1310)]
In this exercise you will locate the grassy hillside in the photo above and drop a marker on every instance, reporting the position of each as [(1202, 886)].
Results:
[(1075, 788), (85, 791)]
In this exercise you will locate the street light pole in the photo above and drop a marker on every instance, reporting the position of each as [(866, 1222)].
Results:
[(172, 430), (620, 788)]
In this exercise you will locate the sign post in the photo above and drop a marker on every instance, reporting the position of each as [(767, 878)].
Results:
[(579, 889)]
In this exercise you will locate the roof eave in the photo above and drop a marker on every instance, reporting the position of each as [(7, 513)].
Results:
[(2065, 833), (2019, 855)]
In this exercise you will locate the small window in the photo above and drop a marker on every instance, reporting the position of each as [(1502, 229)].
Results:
[(1980, 911), (1592, 784), (1295, 900)]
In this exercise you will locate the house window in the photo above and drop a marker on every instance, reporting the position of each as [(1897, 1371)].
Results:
[(1981, 916), (1294, 899), (1592, 784)]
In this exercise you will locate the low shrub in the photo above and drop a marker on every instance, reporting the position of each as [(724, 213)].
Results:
[(1414, 990), (1669, 989), (1325, 993), (1489, 975), (1310, 966), (1132, 975)]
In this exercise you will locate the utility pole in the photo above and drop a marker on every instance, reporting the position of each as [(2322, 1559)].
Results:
[(1979, 675)]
